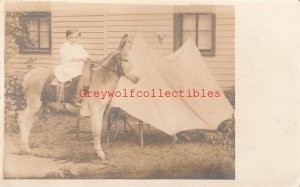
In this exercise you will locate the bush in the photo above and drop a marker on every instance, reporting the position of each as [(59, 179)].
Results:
[(225, 134), (227, 128), (14, 100), (16, 35), (230, 94)]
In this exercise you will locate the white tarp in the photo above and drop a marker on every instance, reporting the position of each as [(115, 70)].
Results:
[(183, 70)]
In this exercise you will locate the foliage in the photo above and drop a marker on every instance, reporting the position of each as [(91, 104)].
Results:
[(14, 100), (30, 63), (16, 34), (230, 94), (225, 134), (227, 130)]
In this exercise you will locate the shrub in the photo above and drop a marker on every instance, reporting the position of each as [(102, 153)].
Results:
[(227, 129), (16, 35), (225, 135), (230, 94), (14, 100)]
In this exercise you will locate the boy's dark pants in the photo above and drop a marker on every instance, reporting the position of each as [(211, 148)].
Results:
[(86, 79)]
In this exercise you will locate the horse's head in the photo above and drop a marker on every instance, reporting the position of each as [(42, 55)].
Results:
[(125, 63)]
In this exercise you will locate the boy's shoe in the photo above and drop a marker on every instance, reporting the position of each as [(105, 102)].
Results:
[(75, 102)]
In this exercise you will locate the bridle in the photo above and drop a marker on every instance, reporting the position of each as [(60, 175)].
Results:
[(116, 54), (118, 70)]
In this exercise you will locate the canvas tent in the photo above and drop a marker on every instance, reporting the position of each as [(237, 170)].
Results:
[(183, 70)]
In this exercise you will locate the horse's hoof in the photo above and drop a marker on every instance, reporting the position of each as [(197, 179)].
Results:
[(101, 154), (25, 149)]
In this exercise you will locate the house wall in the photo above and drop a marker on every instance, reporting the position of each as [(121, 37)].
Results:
[(102, 26), (223, 64)]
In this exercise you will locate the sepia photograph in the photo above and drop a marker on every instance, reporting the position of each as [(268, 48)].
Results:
[(119, 91)]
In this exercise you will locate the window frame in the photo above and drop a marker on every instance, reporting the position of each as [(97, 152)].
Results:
[(178, 32), (39, 50)]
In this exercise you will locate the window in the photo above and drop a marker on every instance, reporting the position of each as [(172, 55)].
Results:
[(38, 32), (200, 27)]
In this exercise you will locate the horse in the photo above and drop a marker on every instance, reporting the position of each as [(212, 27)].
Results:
[(104, 77)]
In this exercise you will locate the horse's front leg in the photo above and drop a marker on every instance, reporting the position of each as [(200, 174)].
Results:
[(96, 119)]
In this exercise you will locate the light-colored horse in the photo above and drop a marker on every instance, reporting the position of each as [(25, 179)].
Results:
[(104, 77)]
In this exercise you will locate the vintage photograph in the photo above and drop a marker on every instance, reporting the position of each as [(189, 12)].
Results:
[(115, 91)]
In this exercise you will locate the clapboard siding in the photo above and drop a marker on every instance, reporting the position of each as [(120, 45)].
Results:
[(153, 22), (102, 27), (224, 77), (223, 71), (62, 35), (64, 24), (150, 39), (76, 8), (139, 17), (83, 40), (68, 18), (225, 46), (226, 84), (89, 29), (222, 65), (226, 27), (87, 46), (146, 24), (229, 39), (225, 15), (90, 23), (145, 34), (225, 21), (141, 28)]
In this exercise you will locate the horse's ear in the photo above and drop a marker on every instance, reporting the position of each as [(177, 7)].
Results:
[(123, 41)]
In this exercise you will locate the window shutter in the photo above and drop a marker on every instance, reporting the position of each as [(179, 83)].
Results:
[(177, 24)]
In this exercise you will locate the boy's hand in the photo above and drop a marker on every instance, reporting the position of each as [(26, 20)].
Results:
[(86, 59)]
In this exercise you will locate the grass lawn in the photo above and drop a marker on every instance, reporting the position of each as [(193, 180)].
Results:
[(198, 158)]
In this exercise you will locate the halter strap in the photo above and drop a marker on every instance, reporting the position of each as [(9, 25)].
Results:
[(118, 71)]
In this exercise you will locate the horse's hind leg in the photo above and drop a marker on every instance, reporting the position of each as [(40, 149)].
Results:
[(26, 121)]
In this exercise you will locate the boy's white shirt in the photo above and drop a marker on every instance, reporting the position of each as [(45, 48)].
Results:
[(70, 68), (69, 52)]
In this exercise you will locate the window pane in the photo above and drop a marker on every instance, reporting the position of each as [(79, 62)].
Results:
[(34, 39), (44, 36), (43, 24), (189, 34), (38, 33), (33, 24), (204, 22), (204, 39), (189, 23)]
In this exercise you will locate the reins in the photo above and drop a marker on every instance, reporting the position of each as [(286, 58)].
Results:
[(95, 64)]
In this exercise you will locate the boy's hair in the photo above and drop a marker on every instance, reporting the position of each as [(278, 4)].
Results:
[(72, 31)]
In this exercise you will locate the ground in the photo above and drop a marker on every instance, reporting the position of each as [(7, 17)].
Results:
[(57, 153)]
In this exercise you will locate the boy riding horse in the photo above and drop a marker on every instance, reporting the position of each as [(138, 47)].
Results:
[(75, 61)]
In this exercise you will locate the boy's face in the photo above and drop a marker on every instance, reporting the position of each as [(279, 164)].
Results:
[(73, 38)]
